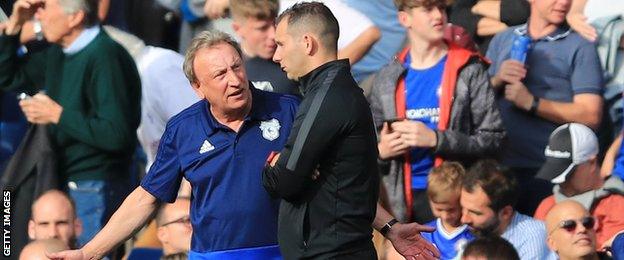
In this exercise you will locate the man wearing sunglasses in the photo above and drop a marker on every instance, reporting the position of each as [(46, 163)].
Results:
[(571, 165), (571, 231)]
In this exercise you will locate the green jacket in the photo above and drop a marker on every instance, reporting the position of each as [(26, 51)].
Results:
[(99, 90)]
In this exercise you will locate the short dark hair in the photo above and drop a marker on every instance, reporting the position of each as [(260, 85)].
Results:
[(317, 18), (492, 248), (496, 181)]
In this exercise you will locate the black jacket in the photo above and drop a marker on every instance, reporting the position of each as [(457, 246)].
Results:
[(30, 172), (331, 216)]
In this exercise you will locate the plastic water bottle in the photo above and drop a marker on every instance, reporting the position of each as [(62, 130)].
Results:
[(520, 48)]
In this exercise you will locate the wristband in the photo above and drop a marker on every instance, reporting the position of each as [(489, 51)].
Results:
[(386, 228), (534, 105)]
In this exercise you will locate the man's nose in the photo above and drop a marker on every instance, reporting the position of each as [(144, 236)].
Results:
[(53, 231), (233, 79), (465, 219), (277, 54)]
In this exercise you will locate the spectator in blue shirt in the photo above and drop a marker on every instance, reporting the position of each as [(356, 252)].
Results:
[(220, 145), (487, 199), (560, 82), (443, 189)]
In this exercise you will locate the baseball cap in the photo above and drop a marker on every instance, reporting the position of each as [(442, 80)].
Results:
[(568, 146)]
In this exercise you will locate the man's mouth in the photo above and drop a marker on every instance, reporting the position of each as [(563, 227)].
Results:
[(236, 93)]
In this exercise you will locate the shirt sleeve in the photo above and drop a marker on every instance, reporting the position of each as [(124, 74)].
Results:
[(164, 177), (587, 73), (312, 134), (493, 53), (20, 73), (349, 18), (487, 130)]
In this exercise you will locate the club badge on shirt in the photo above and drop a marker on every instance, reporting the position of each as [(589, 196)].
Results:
[(270, 129)]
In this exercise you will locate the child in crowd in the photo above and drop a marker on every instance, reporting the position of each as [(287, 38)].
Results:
[(443, 189)]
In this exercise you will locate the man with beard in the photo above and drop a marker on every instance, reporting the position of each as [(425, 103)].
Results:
[(54, 216), (487, 198)]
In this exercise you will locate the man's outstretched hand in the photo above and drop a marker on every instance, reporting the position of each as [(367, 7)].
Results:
[(408, 242)]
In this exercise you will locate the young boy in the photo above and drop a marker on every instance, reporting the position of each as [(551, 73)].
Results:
[(254, 23), (444, 187)]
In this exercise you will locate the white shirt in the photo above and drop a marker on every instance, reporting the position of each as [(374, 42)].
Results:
[(165, 92), (595, 9), (85, 37), (528, 236)]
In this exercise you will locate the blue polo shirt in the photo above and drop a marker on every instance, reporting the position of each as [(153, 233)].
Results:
[(448, 243), (229, 207), (559, 66)]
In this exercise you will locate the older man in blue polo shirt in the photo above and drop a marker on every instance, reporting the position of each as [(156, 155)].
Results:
[(220, 145), (561, 82)]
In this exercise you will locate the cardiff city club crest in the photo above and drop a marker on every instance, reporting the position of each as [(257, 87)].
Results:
[(270, 129)]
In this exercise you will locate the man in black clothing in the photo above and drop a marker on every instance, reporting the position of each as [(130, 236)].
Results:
[(326, 174)]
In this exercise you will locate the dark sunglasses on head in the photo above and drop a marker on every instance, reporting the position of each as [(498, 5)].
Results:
[(570, 224)]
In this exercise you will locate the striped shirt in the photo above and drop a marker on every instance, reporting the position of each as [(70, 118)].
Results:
[(528, 236)]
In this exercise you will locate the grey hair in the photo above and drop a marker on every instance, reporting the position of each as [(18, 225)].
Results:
[(89, 7), (205, 39)]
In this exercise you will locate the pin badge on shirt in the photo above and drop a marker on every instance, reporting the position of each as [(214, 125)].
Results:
[(270, 129)]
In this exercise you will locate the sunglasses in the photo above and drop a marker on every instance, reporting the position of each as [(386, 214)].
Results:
[(570, 224), (186, 220)]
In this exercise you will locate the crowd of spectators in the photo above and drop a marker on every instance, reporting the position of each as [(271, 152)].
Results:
[(499, 150)]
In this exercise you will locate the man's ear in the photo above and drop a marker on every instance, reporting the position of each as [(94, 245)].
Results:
[(506, 213), (236, 26), (76, 19), (198, 92), (162, 234), (310, 44), (404, 19), (550, 242), (31, 229), (77, 227)]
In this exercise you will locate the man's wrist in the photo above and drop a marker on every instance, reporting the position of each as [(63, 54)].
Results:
[(534, 105), (434, 139), (382, 152), (385, 229)]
